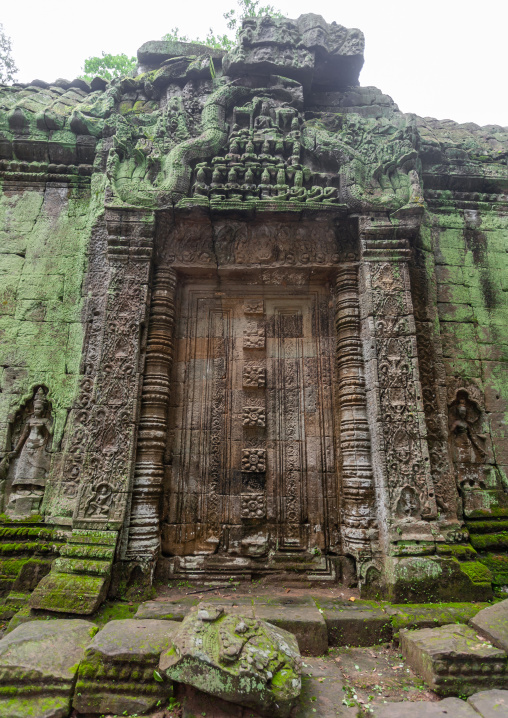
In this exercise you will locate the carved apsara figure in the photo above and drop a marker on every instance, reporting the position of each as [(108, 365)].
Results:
[(98, 504), (33, 458), (467, 441)]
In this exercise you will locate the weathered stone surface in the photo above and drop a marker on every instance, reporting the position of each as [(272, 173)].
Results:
[(305, 622), (492, 622), (361, 624), (166, 610), (490, 704), (447, 707), (328, 275), (38, 666), (236, 658), (116, 674), (410, 616), (454, 660)]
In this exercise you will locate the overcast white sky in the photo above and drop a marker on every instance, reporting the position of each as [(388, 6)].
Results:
[(438, 58)]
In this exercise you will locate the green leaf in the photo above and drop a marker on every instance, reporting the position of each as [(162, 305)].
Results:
[(158, 677)]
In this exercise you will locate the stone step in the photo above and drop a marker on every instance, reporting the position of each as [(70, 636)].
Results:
[(485, 527), (490, 541), (497, 563), (486, 704), (76, 584), (97, 538), (90, 551), (78, 566)]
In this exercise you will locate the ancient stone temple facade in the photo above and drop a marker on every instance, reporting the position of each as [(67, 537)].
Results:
[(253, 325)]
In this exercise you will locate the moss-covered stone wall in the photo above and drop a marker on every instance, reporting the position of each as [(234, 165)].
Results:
[(44, 238)]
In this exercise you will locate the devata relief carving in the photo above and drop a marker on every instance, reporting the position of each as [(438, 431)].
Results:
[(24, 469), (272, 344)]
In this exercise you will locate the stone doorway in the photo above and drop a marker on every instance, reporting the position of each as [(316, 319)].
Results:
[(252, 482)]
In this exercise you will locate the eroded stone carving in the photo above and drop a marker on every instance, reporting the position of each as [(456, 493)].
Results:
[(254, 460), (237, 658), (25, 467)]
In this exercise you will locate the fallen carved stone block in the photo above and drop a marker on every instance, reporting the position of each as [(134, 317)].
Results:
[(236, 658), (492, 622), (38, 666), (117, 672), (454, 660)]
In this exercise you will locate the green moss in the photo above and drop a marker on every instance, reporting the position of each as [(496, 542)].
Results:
[(476, 572), (114, 611), (497, 564), (483, 542)]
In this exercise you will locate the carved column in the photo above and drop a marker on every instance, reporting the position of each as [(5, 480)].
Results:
[(357, 480), (400, 451), (144, 529)]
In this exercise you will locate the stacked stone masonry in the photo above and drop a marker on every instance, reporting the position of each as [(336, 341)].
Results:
[(252, 324)]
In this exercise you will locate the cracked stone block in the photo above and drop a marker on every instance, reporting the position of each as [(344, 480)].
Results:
[(236, 658), (490, 704), (454, 659), (306, 623), (117, 672), (38, 667), (492, 622)]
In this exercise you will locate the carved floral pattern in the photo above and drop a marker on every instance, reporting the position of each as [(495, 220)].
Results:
[(254, 460)]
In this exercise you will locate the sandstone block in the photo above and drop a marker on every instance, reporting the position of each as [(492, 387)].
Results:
[(454, 660), (490, 704), (38, 667), (117, 672), (446, 708), (362, 625), (166, 610), (492, 622), (306, 623), (236, 658)]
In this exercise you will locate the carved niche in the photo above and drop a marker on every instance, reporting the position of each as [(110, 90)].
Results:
[(24, 467)]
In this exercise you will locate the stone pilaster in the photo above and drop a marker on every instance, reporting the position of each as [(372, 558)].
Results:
[(400, 449), (357, 486), (144, 528)]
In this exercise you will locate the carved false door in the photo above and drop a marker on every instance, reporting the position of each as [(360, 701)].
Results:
[(252, 448)]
